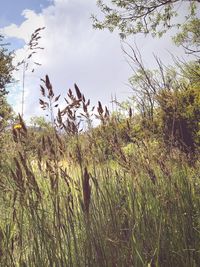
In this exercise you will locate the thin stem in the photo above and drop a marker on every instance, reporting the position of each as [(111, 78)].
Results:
[(23, 88)]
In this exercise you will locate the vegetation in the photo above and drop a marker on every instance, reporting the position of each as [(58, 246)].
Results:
[(6, 66), (139, 16), (123, 193)]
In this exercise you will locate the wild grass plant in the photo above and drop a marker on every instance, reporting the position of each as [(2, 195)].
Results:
[(83, 199)]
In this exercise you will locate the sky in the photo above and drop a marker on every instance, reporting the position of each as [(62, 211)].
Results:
[(73, 52)]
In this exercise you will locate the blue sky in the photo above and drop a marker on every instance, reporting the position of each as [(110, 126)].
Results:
[(74, 51), (10, 11)]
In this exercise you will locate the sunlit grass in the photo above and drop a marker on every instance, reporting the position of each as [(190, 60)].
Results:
[(90, 199)]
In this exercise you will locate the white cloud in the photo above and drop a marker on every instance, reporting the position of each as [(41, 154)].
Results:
[(31, 22), (75, 52)]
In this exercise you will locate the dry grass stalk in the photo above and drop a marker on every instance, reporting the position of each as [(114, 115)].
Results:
[(86, 190)]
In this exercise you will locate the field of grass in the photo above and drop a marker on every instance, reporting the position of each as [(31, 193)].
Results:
[(140, 208), (84, 186), (106, 196)]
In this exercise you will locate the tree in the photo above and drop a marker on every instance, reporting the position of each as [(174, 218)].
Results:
[(141, 16), (40, 123), (167, 96), (189, 37), (169, 103), (6, 67), (5, 113), (180, 115)]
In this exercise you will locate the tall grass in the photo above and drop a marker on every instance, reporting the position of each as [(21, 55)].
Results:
[(70, 205)]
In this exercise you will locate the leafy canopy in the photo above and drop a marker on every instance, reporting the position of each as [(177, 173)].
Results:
[(189, 37), (6, 67), (141, 16)]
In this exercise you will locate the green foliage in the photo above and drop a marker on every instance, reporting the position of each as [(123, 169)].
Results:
[(6, 67), (179, 108), (39, 122), (138, 16), (180, 113), (5, 114), (189, 37)]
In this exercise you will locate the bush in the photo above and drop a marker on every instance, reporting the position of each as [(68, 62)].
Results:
[(180, 116)]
